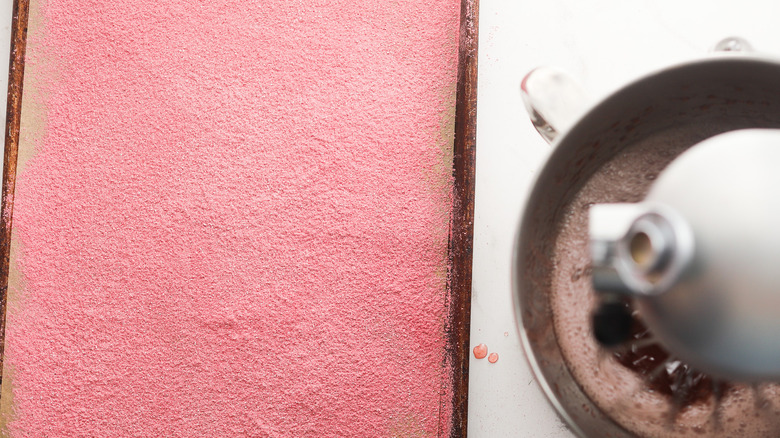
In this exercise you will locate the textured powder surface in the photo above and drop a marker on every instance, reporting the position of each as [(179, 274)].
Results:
[(234, 219)]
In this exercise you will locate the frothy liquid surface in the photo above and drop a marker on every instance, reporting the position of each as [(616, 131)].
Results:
[(641, 388)]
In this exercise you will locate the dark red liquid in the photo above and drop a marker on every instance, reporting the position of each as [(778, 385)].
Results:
[(685, 385)]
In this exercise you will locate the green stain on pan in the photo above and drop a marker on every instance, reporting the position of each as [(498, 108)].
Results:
[(41, 67), (408, 426)]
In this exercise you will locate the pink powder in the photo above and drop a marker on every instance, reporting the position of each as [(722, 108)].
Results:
[(236, 221)]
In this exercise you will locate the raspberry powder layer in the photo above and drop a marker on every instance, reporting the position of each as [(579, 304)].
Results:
[(234, 220)]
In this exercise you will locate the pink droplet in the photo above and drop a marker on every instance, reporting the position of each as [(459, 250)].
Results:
[(493, 358), (480, 351), (506, 334)]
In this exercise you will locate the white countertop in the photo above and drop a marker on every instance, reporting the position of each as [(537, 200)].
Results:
[(6, 7)]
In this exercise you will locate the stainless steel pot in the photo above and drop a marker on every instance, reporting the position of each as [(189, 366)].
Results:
[(612, 153)]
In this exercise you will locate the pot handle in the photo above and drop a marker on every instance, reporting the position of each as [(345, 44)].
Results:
[(732, 44), (554, 100)]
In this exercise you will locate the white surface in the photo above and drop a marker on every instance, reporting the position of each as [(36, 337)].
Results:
[(605, 44), (6, 8)]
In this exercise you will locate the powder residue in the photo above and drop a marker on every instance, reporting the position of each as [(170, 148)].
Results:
[(228, 226)]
